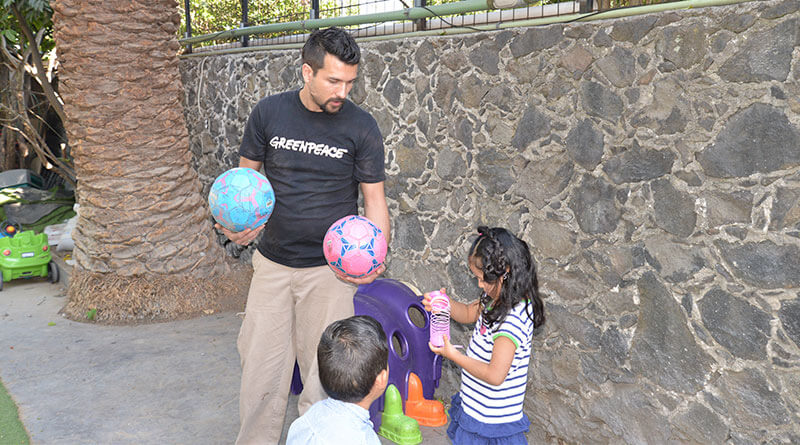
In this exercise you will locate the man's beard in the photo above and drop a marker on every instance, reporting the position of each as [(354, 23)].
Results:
[(334, 111), (324, 105)]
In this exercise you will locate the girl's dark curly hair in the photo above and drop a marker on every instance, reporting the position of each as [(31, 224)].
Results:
[(503, 255)]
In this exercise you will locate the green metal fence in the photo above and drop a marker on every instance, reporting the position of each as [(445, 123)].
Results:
[(278, 24)]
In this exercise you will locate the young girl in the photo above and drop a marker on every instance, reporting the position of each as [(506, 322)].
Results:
[(488, 408)]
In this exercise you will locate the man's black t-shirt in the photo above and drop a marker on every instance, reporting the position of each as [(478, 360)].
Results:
[(315, 162)]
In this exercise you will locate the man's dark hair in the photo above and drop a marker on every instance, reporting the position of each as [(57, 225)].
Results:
[(351, 354), (334, 41)]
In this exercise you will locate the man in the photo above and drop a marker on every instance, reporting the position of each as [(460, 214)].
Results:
[(317, 149)]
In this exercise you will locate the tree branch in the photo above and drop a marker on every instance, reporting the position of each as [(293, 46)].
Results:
[(28, 132), (40, 147), (41, 74), (11, 59)]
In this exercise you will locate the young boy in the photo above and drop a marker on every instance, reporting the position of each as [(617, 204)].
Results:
[(353, 357)]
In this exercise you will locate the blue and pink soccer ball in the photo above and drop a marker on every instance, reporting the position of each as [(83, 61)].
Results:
[(241, 198), (354, 246)]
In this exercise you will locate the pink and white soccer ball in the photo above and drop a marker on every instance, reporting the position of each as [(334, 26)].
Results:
[(354, 246)]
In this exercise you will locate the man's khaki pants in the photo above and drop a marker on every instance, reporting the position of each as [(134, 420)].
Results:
[(287, 310)]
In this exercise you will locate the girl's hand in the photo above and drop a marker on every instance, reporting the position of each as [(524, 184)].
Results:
[(426, 299), (447, 351)]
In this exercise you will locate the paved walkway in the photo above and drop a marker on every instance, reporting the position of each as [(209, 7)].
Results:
[(80, 383)]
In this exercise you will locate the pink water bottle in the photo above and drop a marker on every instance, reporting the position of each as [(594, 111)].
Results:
[(440, 317)]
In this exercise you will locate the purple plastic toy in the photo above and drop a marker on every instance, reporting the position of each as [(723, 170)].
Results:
[(392, 303)]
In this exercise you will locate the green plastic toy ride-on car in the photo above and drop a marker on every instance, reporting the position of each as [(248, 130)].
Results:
[(26, 255)]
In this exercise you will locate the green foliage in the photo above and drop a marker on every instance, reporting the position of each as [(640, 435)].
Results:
[(33, 10), (209, 16), (8, 25), (342, 8), (37, 13)]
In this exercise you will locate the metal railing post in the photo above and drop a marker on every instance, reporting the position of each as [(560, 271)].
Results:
[(188, 32), (420, 24), (245, 38), (314, 10)]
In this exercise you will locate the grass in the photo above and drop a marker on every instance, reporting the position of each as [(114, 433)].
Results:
[(12, 432)]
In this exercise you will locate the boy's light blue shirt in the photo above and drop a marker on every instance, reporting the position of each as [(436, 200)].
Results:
[(332, 421)]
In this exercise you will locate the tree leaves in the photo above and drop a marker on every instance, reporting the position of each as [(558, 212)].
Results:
[(37, 13)]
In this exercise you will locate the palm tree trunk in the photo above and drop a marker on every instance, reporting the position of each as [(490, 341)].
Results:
[(144, 245)]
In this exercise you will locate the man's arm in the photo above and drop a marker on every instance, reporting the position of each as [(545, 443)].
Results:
[(244, 162), (246, 236), (375, 207)]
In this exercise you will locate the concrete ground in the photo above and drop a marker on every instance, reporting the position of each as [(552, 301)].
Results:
[(81, 383)]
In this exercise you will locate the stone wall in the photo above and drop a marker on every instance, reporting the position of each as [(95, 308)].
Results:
[(652, 163)]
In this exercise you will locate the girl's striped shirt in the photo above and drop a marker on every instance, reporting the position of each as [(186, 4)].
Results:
[(502, 403)]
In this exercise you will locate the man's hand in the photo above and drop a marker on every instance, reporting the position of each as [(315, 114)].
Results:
[(362, 280), (242, 238)]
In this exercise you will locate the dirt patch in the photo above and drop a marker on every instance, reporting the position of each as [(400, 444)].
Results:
[(118, 299)]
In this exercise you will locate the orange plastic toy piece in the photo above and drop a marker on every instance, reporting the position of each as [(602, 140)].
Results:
[(426, 412)]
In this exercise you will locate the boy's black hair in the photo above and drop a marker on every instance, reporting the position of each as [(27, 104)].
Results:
[(351, 354), (334, 41), (502, 254)]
